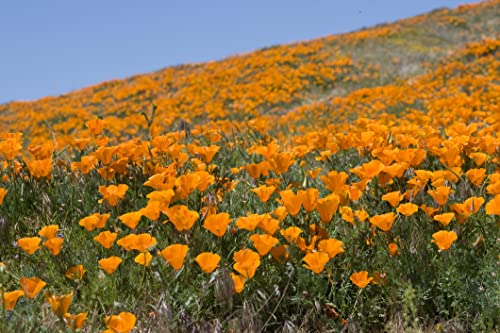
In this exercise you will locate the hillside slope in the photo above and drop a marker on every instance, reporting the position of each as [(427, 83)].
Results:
[(268, 81)]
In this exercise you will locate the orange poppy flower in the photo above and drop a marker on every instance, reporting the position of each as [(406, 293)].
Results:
[(217, 223), (281, 162), (75, 273), (316, 261), (331, 246), (131, 219), (249, 222), (291, 233), (163, 197), (95, 126), (49, 232), (362, 215), (326, 207), (110, 264), (258, 169), (280, 213), (106, 238), (10, 299), (292, 201), (347, 214), (335, 181), (280, 253), (383, 221), (360, 279), (207, 153), (440, 194), (181, 217), (246, 262), (393, 198), (238, 282), (40, 168), (444, 239), (175, 254), (444, 218), (31, 286), (29, 244), (186, 184), (407, 209), (60, 304), (264, 192), (393, 249), (75, 322), (94, 221), (113, 193), (86, 164), (472, 205), (269, 225), (152, 210), (476, 176), (3, 192), (368, 170), (54, 245), (310, 199), (122, 323), (263, 243), (493, 206), (143, 258), (207, 261)]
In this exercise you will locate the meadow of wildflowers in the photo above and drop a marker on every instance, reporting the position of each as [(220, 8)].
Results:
[(350, 182)]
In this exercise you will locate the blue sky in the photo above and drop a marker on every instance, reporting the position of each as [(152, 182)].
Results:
[(51, 47)]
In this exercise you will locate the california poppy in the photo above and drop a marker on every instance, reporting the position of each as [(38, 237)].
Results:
[(75, 322), (238, 282), (263, 243), (174, 254), (393, 198), (383, 221), (316, 261), (249, 222), (131, 219), (113, 193), (181, 217), (208, 261), (269, 225), (264, 192), (476, 176), (331, 246), (29, 244), (10, 299), (31, 286), (106, 238), (444, 218), (347, 214), (393, 249), (440, 194), (110, 264), (246, 262), (217, 223), (493, 206), (335, 181), (75, 273), (360, 279), (49, 232), (94, 221), (292, 201), (310, 199), (407, 209), (60, 304), (122, 323), (291, 233), (444, 239), (54, 245), (326, 207), (3, 192), (143, 258)]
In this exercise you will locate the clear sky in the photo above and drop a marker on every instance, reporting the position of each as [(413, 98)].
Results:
[(50, 47)]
